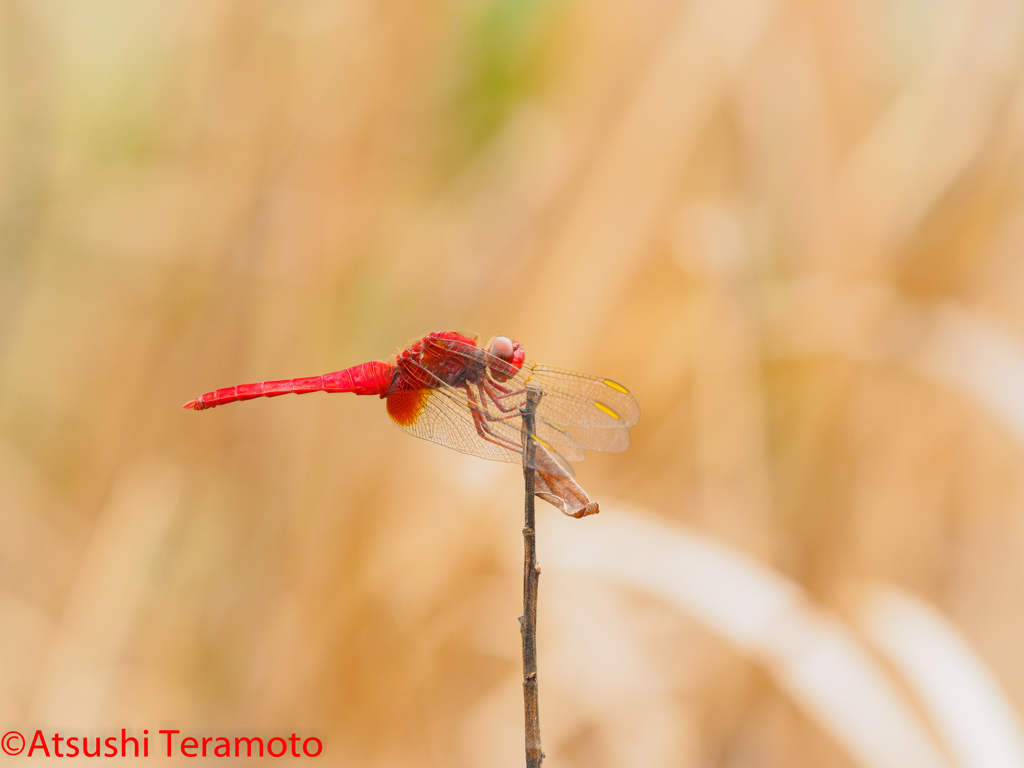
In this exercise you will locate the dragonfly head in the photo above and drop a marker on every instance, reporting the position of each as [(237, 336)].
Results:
[(511, 356)]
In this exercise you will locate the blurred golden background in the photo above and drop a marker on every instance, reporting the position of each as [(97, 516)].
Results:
[(793, 229)]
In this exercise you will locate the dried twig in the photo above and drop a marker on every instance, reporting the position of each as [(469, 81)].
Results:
[(531, 578)]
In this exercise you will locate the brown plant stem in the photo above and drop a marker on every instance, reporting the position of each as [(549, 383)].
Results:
[(531, 578)]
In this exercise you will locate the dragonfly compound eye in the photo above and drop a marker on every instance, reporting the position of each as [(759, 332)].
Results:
[(509, 358), (502, 347)]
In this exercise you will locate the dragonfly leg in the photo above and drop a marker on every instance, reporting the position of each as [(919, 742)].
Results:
[(482, 429), (478, 407), (492, 384), (496, 392), (485, 432), (510, 411), (502, 391)]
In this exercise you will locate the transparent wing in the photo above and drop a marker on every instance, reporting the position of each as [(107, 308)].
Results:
[(591, 412), (445, 415), (589, 400)]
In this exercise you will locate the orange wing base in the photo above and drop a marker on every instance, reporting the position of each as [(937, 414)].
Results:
[(405, 405)]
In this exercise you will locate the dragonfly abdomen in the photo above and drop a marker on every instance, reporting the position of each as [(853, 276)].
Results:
[(373, 378)]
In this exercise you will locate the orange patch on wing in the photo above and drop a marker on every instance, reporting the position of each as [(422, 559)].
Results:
[(404, 406)]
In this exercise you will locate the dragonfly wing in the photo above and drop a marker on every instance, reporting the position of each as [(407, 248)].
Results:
[(612, 438), (560, 437), (584, 400), (438, 415), (577, 411), (444, 415)]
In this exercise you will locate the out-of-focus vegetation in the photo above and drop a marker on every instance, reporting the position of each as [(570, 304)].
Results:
[(793, 230)]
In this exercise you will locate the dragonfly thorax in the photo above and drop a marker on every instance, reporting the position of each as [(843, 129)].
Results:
[(443, 357)]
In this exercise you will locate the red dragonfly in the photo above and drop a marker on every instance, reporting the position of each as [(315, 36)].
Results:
[(446, 389)]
